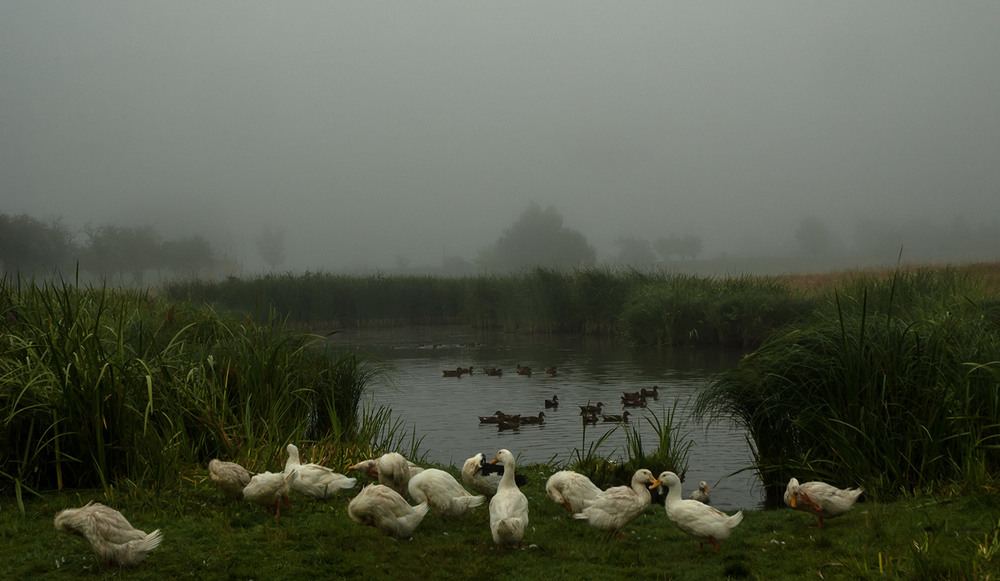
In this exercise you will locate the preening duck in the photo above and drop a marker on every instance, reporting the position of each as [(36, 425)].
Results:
[(230, 476), (696, 518), (474, 477), (313, 479), (113, 539), (394, 471), (571, 489), (820, 498), (615, 507), (269, 489), (509, 506), (383, 508), (442, 493)]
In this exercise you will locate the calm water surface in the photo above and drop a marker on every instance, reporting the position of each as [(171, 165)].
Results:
[(445, 410)]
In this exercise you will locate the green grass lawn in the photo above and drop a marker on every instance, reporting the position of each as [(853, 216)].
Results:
[(207, 537)]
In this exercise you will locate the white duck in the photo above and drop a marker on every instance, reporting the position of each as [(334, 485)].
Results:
[(383, 508), (509, 506), (695, 518), (313, 479), (370, 466), (474, 478), (269, 489), (820, 498), (571, 489), (111, 536), (230, 476), (442, 493), (701, 494), (615, 507)]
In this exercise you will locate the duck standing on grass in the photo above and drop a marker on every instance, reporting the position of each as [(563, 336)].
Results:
[(571, 489), (384, 509), (443, 493), (270, 489), (820, 499), (509, 506), (315, 480), (616, 507), (695, 518), (113, 539), (230, 476)]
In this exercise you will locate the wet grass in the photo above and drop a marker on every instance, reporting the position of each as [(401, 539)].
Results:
[(206, 537)]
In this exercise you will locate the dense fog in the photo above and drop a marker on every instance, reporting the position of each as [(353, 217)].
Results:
[(435, 137)]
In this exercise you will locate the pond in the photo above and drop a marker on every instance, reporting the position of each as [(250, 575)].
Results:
[(445, 411)]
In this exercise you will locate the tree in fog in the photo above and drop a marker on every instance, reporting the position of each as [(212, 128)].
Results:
[(270, 245), (634, 251), (187, 256), (688, 246), (121, 249), (814, 238), (537, 238), (30, 247)]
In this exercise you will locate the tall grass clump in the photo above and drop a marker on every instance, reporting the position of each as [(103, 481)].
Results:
[(99, 386), (892, 384), (690, 310), (668, 452)]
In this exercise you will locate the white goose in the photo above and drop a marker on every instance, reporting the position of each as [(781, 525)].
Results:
[(615, 507), (820, 498), (111, 536), (383, 508), (313, 479), (701, 494), (509, 506), (696, 518), (474, 478), (571, 489), (442, 493), (230, 476), (269, 489)]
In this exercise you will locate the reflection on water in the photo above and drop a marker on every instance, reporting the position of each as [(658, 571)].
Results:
[(445, 410)]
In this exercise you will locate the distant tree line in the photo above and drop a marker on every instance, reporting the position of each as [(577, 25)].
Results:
[(31, 247)]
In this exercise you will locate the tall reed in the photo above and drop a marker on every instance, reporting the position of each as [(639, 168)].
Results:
[(892, 385), (99, 385)]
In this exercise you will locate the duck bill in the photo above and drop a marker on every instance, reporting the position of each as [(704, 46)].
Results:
[(794, 500), (654, 483)]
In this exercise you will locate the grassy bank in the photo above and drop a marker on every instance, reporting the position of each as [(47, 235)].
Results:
[(891, 384), (100, 386), (205, 537)]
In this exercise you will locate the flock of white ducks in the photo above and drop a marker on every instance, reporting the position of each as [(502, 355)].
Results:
[(385, 507)]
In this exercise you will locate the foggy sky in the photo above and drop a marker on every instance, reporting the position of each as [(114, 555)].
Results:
[(424, 129)]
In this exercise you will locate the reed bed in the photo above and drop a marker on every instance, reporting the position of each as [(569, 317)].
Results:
[(892, 384), (644, 307), (100, 386)]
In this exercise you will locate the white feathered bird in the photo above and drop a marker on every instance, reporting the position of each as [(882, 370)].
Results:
[(820, 498), (113, 539), (313, 479), (230, 476), (696, 518), (616, 507), (270, 489), (571, 489), (473, 477), (383, 508), (442, 493), (509, 506)]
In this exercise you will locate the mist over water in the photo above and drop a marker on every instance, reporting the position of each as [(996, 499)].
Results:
[(396, 137)]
